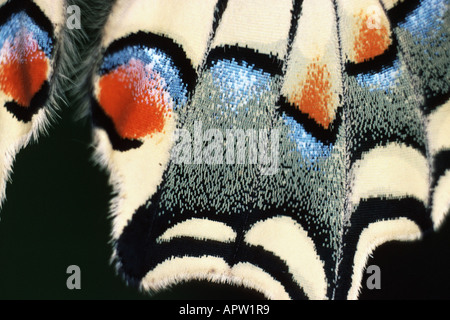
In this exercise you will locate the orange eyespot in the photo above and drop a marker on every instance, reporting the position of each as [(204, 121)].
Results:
[(314, 95), (23, 69), (133, 96)]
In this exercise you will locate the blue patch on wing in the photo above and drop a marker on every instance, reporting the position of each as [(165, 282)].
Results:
[(20, 24), (426, 18), (383, 80), (239, 83), (309, 147)]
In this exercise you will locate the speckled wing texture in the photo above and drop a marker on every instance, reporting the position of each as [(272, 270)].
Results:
[(29, 40), (272, 144)]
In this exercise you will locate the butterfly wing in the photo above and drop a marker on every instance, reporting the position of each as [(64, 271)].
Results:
[(30, 37), (272, 144)]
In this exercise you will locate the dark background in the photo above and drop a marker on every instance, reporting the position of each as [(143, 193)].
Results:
[(56, 215)]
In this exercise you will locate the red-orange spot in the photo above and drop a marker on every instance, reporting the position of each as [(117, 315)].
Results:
[(371, 41), (134, 98), (23, 69), (314, 94)]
